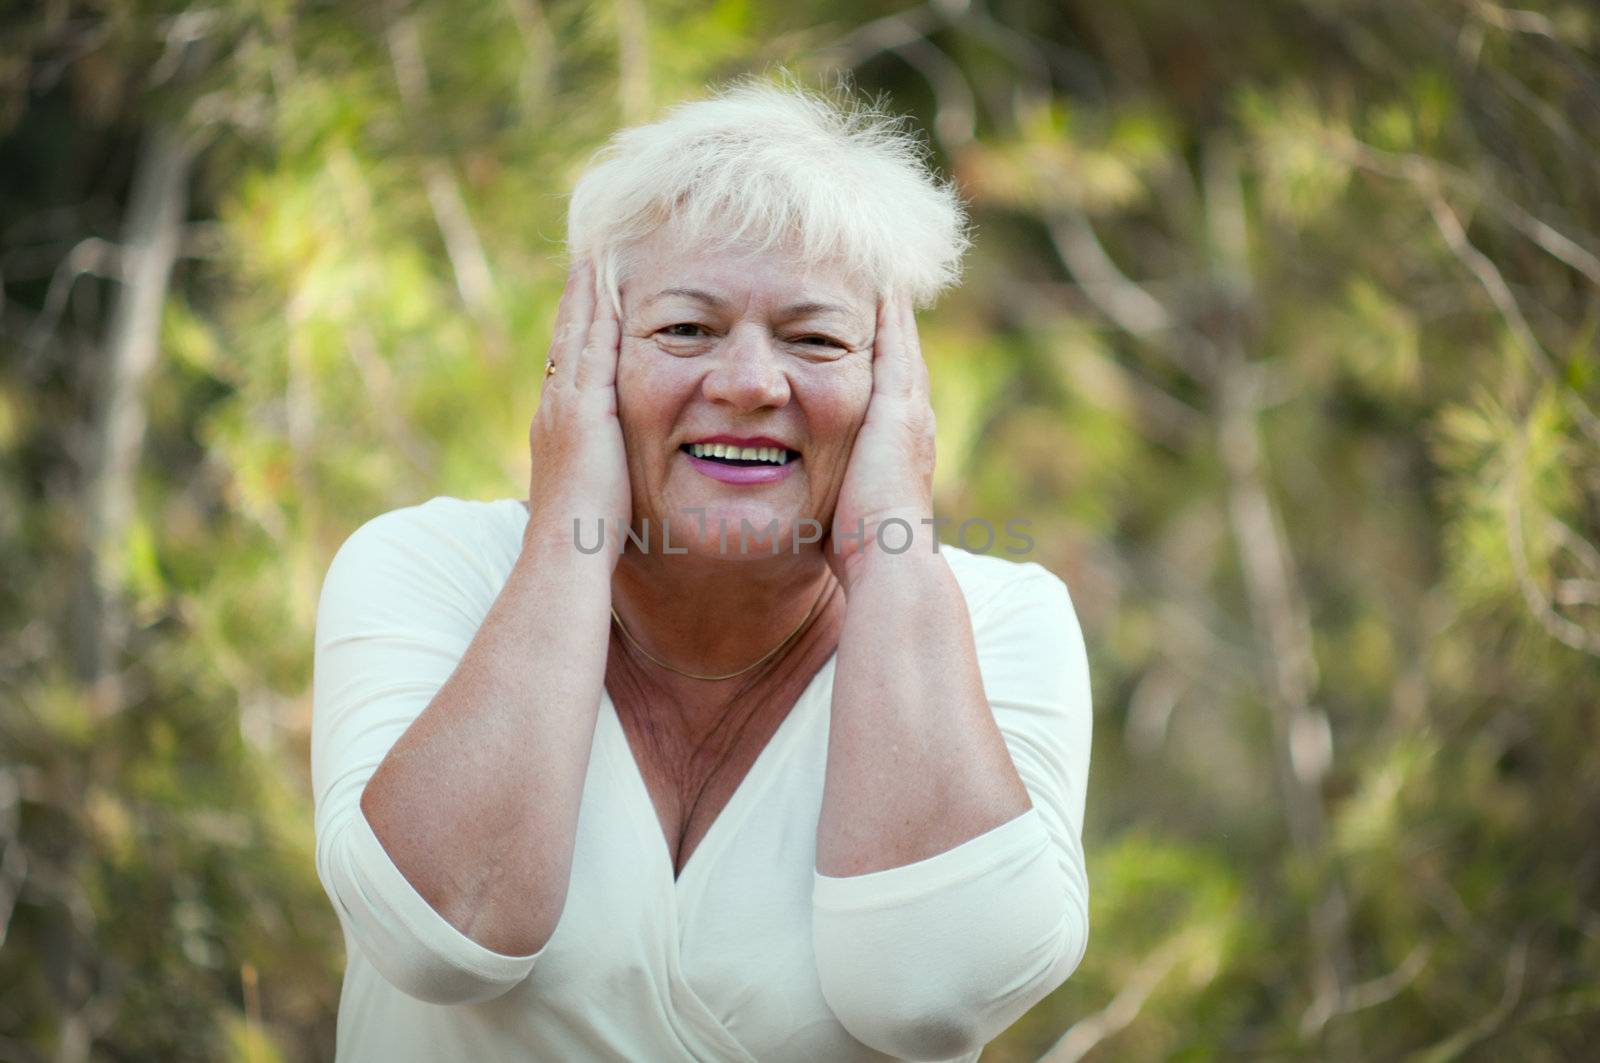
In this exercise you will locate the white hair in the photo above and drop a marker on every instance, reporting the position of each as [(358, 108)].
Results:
[(761, 166)]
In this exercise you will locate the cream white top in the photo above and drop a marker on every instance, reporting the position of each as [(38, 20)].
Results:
[(751, 954)]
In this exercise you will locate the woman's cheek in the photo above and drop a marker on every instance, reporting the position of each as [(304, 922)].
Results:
[(653, 386), (856, 398), (643, 363), (635, 383), (841, 390)]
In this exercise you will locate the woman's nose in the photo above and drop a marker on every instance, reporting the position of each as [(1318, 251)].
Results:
[(748, 371)]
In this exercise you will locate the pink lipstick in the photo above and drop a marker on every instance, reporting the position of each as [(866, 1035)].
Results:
[(742, 459)]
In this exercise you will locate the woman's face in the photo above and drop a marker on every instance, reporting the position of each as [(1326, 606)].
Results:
[(739, 349)]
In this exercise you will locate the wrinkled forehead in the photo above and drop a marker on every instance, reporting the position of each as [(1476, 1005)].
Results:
[(739, 270)]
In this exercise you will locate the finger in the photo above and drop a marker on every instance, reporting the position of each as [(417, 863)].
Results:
[(565, 307), (597, 363), (572, 322), (565, 340), (911, 341), (892, 374)]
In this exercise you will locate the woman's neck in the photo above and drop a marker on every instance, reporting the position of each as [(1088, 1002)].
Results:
[(713, 615)]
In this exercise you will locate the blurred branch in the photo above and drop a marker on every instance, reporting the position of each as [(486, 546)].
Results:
[(1302, 735), (1455, 237), (13, 858), (1381, 990), (1514, 19), (92, 255), (468, 262), (955, 112), (906, 36), (178, 34), (1582, 1001), (1161, 416), (1302, 739), (62, 42), (1020, 48), (883, 34), (1490, 1022), (1577, 592), (1200, 640), (380, 385), (1581, 548), (1128, 306), (1488, 275), (633, 59), (1150, 708), (1566, 631), (1088, 1033), (153, 230), (534, 29), (1115, 29), (1552, 117), (1430, 174), (300, 418), (82, 1026)]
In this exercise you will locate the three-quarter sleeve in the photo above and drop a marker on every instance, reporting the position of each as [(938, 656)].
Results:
[(933, 959), (401, 602)]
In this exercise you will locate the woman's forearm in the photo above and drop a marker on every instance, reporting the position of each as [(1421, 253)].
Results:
[(477, 802), (916, 763)]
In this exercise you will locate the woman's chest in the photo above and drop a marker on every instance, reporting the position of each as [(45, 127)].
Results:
[(690, 785), (719, 958), (692, 749)]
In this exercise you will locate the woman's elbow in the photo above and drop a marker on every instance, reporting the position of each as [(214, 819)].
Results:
[(433, 969), (926, 1038), (408, 943), (907, 1007)]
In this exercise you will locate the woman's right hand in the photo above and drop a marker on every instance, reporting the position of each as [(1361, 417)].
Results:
[(580, 471)]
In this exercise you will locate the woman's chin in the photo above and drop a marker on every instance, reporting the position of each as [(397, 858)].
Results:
[(737, 531)]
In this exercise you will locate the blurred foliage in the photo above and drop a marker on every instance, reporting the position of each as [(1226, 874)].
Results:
[(1281, 328)]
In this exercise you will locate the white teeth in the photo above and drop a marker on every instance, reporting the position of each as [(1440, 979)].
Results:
[(775, 455)]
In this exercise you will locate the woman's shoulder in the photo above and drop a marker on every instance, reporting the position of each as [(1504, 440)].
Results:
[(987, 578), (462, 540), (1030, 643), (445, 519)]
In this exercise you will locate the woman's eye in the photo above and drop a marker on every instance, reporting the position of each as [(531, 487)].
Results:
[(819, 341), (684, 330)]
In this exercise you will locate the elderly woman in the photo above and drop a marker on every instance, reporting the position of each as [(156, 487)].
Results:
[(709, 750)]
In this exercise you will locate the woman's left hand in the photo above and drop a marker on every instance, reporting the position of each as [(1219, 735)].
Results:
[(890, 471)]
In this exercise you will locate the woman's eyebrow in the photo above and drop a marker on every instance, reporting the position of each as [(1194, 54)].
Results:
[(793, 310), (809, 309), (696, 294)]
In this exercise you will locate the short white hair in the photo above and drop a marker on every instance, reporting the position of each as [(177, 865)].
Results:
[(764, 165)]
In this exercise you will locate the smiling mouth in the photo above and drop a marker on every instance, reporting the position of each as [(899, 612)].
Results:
[(740, 457)]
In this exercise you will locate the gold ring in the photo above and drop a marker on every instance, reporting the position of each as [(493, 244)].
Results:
[(549, 367)]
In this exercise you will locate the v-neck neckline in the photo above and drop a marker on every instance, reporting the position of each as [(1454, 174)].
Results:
[(734, 810)]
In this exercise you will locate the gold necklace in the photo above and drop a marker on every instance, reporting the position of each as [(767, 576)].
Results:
[(695, 675)]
